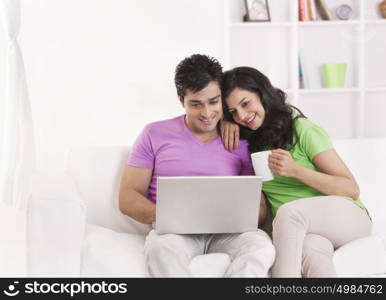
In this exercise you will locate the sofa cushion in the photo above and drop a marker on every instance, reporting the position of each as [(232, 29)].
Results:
[(97, 172), (364, 159), (107, 253), (361, 257)]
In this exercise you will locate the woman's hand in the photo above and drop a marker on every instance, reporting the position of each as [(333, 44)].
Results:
[(281, 163), (230, 135)]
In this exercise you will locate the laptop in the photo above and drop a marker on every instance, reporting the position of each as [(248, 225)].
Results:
[(207, 204)]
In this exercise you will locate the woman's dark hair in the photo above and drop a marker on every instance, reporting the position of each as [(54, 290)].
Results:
[(195, 72), (277, 130)]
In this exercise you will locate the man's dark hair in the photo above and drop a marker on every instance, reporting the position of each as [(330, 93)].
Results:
[(195, 72)]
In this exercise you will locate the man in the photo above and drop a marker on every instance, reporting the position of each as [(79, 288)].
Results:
[(187, 146)]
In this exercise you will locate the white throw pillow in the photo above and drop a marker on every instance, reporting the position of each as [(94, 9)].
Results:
[(361, 257), (97, 173), (107, 253)]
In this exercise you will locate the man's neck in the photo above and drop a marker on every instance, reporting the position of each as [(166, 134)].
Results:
[(206, 137), (203, 137)]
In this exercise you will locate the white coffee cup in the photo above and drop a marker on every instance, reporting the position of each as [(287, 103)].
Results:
[(260, 165)]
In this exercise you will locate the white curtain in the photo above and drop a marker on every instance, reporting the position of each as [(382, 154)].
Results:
[(18, 154)]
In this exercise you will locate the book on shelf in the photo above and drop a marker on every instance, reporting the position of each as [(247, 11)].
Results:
[(312, 9), (323, 10), (382, 9), (304, 11), (301, 74)]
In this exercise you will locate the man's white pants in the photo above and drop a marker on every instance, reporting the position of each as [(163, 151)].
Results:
[(169, 255)]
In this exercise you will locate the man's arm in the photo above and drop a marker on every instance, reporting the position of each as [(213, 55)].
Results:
[(132, 195)]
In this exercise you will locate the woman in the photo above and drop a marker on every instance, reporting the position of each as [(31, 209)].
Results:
[(314, 197)]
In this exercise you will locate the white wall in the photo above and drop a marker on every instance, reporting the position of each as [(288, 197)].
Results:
[(99, 70), (2, 71)]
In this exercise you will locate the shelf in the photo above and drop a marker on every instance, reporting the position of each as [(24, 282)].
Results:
[(376, 22), (304, 23), (274, 47), (261, 24), (339, 90), (327, 23), (376, 89), (329, 91)]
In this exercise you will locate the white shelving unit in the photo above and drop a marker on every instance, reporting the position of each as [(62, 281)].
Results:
[(357, 110)]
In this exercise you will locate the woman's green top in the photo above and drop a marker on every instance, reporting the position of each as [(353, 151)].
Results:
[(312, 140)]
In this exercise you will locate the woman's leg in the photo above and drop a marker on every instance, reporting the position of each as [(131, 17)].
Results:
[(317, 257), (333, 217)]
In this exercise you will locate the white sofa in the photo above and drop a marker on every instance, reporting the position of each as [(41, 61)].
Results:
[(76, 230)]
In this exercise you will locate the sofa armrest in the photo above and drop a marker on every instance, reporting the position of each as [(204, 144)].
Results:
[(56, 222), (361, 257)]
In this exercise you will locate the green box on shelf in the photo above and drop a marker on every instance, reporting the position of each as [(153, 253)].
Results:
[(334, 75)]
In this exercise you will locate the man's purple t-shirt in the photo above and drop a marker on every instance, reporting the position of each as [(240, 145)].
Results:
[(170, 149)]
